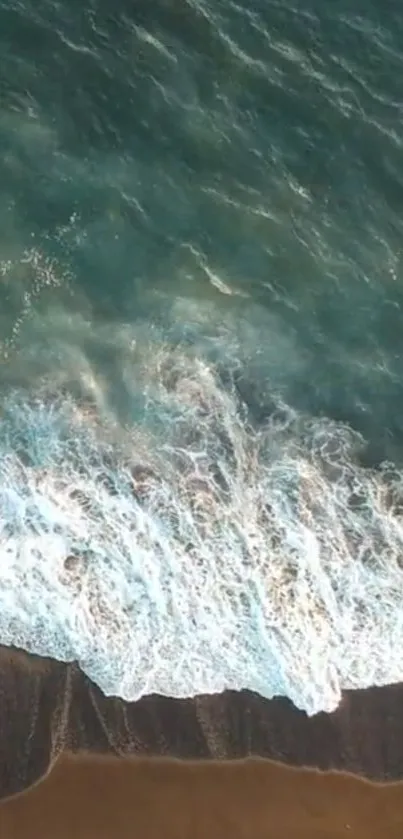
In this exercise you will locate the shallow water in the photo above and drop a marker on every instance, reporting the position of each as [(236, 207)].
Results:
[(200, 319)]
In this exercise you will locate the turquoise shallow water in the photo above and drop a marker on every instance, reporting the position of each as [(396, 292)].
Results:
[(200, 264)]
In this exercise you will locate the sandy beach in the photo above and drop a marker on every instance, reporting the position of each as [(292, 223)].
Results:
[(116, 798), (48, 708), (77, 763)]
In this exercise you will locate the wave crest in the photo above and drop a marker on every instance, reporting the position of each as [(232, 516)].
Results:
[(191, 550)]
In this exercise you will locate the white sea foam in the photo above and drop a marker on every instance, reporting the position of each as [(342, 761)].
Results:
[(190, 550)]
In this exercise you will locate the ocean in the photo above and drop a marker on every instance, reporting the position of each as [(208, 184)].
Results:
[(201, 336)]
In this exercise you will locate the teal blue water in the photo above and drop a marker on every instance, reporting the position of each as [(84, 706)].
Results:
[(225, 177)]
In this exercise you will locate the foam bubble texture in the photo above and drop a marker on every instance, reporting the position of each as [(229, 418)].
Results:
[(192, 552)]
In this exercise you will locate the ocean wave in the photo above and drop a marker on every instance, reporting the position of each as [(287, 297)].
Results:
[(191, 548)]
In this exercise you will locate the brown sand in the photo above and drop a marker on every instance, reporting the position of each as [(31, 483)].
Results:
[(100, 781), (47, 708), (91, 797)]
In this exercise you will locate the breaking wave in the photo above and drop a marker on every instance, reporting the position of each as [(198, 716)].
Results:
[(192, 548)]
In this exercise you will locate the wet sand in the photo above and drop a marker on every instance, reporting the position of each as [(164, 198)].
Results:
[(89, 797), (76, 763), (48, 708)]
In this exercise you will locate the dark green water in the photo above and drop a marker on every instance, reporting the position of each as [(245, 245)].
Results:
[(203, 168), (264, 137)]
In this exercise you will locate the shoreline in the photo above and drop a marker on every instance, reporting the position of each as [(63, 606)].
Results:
[(47, 708)]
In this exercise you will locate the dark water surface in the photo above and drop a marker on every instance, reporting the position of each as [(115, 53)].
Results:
[(142, 143)]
